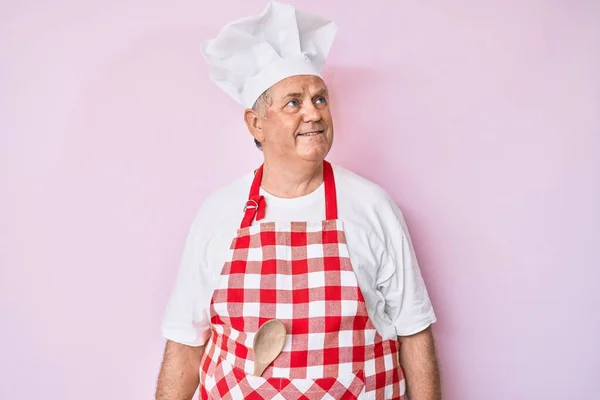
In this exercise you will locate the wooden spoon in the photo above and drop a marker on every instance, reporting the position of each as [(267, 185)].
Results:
[(268, 343)]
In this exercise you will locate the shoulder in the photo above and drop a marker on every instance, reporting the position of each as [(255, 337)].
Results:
[(221, 205), (359, 190), (229, 196), (366, 204)]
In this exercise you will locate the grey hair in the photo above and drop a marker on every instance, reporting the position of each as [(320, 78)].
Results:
[(260, 105)]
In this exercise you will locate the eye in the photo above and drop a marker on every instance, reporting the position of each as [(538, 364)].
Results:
[(321, 100), (293, 103)]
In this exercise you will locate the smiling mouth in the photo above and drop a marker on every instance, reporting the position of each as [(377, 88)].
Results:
[(311, 133)]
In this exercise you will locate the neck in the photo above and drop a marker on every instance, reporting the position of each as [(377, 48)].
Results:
[(292, 180)]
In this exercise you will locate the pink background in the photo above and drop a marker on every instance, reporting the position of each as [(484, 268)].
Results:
[(482, 119)]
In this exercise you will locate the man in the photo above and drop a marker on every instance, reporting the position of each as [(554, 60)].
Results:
[(300, 241)]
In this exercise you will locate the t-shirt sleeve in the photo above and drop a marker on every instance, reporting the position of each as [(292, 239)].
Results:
[(186, 319), (407, 302)]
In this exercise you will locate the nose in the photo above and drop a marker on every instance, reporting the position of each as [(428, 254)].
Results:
[(311, 113)]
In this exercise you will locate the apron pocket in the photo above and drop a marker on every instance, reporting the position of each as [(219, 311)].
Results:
[(231, 382)]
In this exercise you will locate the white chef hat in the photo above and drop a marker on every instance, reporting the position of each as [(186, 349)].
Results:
[(251, 54)]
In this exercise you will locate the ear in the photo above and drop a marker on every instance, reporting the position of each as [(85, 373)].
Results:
[(255, 124)]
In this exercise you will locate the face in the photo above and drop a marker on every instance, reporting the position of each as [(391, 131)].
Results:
[(295, 124)]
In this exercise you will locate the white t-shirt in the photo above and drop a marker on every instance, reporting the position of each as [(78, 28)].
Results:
[(378, 241)]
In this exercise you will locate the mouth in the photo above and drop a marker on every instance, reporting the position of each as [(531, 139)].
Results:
[(313, 133)]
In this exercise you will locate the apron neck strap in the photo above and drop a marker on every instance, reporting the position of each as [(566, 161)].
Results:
[(331, 211), (256, 205)]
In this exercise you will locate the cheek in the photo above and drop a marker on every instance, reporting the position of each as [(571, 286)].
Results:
[(326, 115), (282, 127)]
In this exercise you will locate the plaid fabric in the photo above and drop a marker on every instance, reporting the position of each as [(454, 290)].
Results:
[(299, 273), (232, 383)]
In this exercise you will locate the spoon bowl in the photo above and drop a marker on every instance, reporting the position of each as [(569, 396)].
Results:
[(267, 345)]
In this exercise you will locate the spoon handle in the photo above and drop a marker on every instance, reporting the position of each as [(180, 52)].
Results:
[(259, 368)]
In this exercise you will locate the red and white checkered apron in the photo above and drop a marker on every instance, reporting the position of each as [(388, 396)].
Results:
[(299, 273)]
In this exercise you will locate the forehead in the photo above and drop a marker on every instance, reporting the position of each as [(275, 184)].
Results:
[(297, 84)]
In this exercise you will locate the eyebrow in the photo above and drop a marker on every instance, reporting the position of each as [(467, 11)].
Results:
[(292, 95), (321, 92)]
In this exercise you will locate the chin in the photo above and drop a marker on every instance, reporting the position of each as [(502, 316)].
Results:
[(314, 154)]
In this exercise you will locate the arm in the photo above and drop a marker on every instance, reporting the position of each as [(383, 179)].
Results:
[(417, 356), (178, 378)]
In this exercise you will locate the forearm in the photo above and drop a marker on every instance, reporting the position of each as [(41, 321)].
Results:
[(179, 372), (418, 358)]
